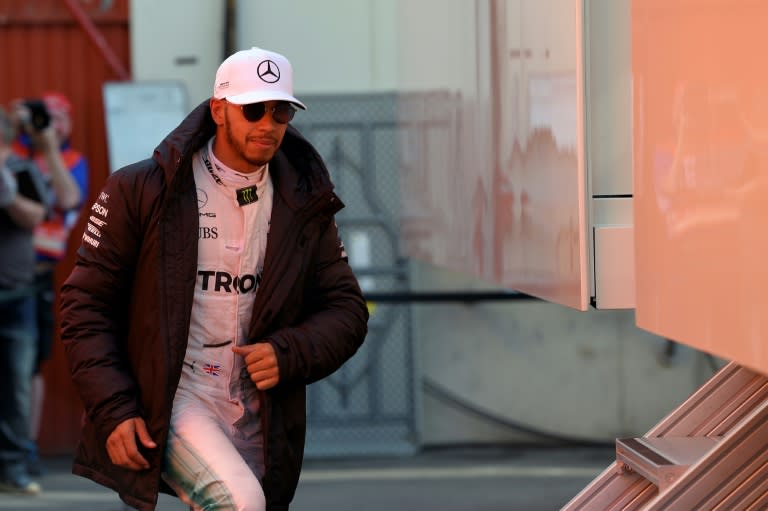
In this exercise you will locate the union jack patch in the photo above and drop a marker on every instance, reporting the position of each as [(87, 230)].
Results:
[(212, 369)]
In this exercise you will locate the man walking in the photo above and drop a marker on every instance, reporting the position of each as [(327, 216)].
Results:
[(210, 288)]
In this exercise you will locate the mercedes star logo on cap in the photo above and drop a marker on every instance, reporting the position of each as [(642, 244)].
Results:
[(268, 71)]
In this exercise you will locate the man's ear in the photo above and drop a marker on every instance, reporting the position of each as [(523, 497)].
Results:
[(217, 110)]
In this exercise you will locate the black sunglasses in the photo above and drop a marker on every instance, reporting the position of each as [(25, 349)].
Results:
[(282, 112)]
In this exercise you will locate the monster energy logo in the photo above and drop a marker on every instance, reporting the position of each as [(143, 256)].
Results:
[(247, 195)]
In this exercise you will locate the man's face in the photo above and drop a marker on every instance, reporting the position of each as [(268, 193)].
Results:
[(242, 144)]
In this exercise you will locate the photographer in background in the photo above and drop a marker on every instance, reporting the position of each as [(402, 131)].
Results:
[(23, 205), (45, 127)]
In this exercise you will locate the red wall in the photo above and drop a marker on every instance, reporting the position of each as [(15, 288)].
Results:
[(43, 47)]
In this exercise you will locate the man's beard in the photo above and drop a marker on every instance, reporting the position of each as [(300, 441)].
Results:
[(238, 146)]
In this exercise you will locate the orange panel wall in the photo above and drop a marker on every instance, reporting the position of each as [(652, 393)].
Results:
[(42, 47), (701, 174)]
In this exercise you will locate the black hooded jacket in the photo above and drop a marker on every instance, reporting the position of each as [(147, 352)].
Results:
[(126, 306)]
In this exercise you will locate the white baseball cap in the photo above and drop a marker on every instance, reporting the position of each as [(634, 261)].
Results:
[(253, 76)]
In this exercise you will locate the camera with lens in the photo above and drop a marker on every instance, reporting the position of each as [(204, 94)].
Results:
[(39, 117)]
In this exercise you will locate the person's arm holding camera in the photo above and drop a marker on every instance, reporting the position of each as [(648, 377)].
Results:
[(46, 141), (65, 187)]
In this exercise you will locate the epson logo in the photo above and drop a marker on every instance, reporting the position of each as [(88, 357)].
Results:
[(99, 209), (223, 282)]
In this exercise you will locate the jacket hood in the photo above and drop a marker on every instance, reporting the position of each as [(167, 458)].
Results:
[(297, 166), (189, 136)]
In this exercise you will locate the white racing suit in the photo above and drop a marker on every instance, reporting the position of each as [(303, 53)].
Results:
[(214, 458)]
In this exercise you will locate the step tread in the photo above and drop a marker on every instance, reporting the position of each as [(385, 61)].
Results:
[(662, 459)]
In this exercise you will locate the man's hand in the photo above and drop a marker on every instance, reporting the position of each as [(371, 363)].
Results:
[(261, 362), (122, 448), (46, 140)]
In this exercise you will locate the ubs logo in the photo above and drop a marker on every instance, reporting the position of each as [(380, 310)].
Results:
[(207, 233), (268, 71)]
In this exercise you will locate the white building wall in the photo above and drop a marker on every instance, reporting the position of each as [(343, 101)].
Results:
[(178, 40), (340, 46), (335, 46)]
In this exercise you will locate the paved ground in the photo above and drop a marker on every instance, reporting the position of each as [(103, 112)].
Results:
[(489, 479)]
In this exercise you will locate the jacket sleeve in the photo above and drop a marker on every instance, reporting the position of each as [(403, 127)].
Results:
[(94, 303), (334, 322)]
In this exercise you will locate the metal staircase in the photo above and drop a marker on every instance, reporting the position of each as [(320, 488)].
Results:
[(711, 453)]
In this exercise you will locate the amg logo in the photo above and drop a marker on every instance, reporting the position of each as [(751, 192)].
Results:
[(223, 282), (207, 233)]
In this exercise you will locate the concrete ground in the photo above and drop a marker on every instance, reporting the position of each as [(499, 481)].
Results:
[(455, 479)]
